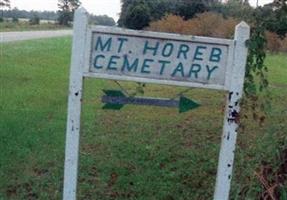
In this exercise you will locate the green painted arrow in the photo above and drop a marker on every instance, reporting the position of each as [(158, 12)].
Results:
[(114, 93), (111, 105), (116, 99), (186, 104)]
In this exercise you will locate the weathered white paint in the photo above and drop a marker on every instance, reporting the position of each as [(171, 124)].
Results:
[(164, 54), (231, 118), (231, 79), (74, 105)]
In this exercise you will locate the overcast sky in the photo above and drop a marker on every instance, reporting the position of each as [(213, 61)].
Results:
[(97, 7)]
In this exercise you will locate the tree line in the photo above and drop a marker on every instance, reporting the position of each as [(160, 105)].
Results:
[(137, 14), (64, 16), (16, 13)]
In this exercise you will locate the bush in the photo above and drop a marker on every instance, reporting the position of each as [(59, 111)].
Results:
[(65, 18), (273, 42), (284, 44), (205, 24), (138, 17), (170, 24), (15, 19), (212, 25), (35, 20)]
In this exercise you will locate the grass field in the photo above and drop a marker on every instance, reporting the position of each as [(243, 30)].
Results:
[(137, 153), (25, 26)]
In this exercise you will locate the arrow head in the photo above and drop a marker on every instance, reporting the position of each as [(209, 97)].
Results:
[(186, 104), (110, 106), (114, 93)]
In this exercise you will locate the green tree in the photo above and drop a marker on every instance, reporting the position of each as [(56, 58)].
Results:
[(128, 12), (35, 20), (138, 17), (144, 11), (278, 21), (15, 20), (5, 3), (66, 12), (103, 20), (189, 8), (239, 9)]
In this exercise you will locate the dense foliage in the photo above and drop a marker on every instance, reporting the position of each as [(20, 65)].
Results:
[(34, 20), (204, 24), (16, 13), (66, 12), (277, 21), (151, 10), (102, 20), (234, 8), (137, 14), (5, 3)]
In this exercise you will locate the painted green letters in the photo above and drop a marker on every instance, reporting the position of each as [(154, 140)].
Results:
[(103, 46)]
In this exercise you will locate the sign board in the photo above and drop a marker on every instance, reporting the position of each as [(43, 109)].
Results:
[(163, 58), (160, 58)]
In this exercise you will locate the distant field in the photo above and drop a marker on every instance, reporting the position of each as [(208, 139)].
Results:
[(23, 25), (140, 152), (42, 21)]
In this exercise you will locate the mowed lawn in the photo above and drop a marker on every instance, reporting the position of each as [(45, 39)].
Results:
[(138, 152)]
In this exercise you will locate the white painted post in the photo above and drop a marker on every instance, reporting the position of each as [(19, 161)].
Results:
[(74, 104), (231, 118)]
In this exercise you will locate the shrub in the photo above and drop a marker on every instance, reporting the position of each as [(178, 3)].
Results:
[(35, 20), (205, 24), (284, 44), (273, 42), (212, 25), (169, 23), (226, 28), (15, 19), (138, 17)]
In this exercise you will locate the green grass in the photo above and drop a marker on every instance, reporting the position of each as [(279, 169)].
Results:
[(25, 26), (139, 152)]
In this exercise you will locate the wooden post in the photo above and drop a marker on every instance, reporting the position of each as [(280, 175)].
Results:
[(74, 104), (231, 118)]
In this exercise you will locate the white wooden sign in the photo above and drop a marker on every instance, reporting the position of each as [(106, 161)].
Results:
[(160, 58), (151, 57)]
